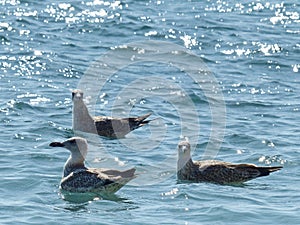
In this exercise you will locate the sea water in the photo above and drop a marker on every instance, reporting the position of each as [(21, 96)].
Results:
[(224, 74)]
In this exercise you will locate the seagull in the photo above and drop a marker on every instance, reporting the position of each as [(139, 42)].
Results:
[(78, 178), (216, 171), (103, 125)]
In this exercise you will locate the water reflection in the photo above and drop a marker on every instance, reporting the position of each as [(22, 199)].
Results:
[(89, 197)]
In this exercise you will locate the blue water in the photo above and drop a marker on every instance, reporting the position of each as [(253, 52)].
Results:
[(251, 50)]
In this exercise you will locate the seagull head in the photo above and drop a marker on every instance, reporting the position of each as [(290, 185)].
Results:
[(184, 148), (76, 145), (77, 95)]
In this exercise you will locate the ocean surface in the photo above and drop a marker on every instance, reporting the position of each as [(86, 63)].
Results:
[(224, 74)]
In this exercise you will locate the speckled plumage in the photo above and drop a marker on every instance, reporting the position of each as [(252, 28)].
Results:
[(216, 171), (102, 125), (78, 178)]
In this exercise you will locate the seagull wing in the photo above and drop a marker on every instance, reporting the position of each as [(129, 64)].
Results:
[(85, 181), (225, 173), (119, 127)]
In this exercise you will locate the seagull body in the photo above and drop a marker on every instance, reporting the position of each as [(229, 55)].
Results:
[(78, 178), (103, 125), (216, 171)]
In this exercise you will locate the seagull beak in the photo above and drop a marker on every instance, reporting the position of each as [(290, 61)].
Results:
[(57, 144)]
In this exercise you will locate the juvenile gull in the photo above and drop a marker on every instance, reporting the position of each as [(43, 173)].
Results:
[(102, 125), (216, 171), (78, 178)]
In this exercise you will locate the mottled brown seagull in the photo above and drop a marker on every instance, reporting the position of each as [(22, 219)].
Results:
[(216, 171), (102, 125), (78, 178)]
